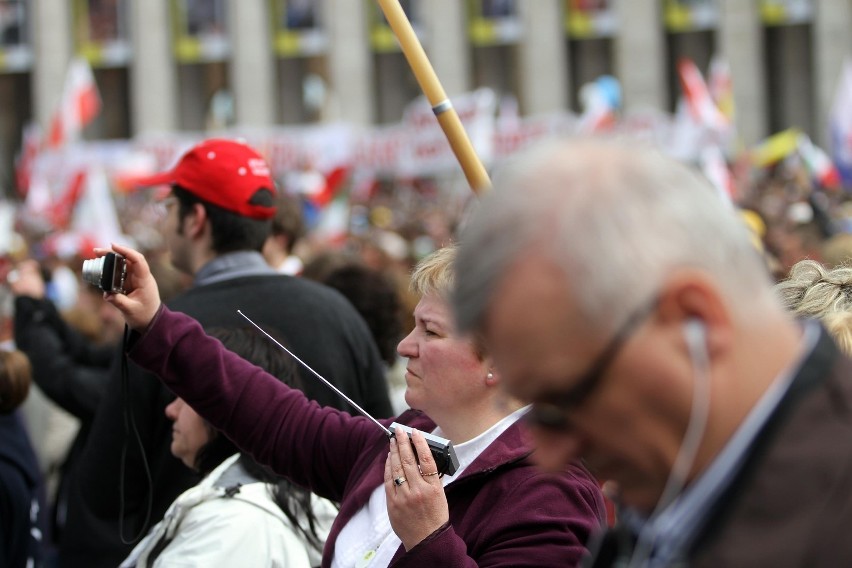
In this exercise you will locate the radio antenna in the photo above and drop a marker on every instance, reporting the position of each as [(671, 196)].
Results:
[(320, 377)]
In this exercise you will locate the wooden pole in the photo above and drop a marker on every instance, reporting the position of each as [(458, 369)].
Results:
[(447, 116)]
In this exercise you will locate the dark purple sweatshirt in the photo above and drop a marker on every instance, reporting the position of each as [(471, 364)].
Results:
[(503, 510)]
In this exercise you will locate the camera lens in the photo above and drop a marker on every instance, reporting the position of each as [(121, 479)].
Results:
[(93, 271)]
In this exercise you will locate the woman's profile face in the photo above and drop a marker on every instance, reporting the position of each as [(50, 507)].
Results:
[(189, 432), (444, 375)]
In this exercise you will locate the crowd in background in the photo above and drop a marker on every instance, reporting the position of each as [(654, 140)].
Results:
[(388, 230)]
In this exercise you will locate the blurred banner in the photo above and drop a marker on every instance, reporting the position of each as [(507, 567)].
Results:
[(67, 184)]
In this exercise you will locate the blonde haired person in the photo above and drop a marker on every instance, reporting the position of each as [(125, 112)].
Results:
[(815, 291), (396, 508)]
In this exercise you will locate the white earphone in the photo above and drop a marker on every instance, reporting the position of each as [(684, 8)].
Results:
[(696, 336)]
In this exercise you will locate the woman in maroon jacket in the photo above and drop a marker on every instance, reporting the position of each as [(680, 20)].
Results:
[(496, 510)]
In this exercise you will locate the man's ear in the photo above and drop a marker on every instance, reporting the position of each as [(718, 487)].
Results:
[(195, 220)]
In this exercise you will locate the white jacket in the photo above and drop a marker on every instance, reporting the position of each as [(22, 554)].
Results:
[(210, 527)]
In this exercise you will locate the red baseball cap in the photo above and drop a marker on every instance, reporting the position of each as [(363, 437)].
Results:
[(227, 173)]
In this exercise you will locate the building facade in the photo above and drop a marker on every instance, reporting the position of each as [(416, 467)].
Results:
[(193, 65)]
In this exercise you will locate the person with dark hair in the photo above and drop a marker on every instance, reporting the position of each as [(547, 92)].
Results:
[(70, 369), (21, 488), (375, 298), (288, 227), (218, 217), (240, 514)]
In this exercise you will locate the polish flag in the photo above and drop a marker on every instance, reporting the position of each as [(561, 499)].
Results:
[(59, 213), (721, 86), (30, 145), (820, 167), (715, 168), (840, 124), (79, 105), (698, 98)]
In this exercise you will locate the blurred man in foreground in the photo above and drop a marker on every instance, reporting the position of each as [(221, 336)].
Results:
[(624, 300)]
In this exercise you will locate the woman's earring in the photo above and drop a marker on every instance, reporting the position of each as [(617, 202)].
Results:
[(490, 376)]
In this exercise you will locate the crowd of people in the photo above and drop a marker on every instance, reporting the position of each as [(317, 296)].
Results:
[(630, 372)]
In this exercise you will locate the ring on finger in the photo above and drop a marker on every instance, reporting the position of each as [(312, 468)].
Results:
[(428, 474), (399, 481)]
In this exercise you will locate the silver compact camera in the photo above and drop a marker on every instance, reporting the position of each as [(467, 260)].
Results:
[(107, 272)]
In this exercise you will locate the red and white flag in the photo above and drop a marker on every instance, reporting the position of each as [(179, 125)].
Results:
[(819, 166), (698, 98), (721, 86), (30, 144), (840, 125), (79, 105)]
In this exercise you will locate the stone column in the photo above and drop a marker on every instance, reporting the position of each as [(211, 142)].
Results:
[(740, 42), (445, 42), (350, 65), (542, 57), (252, 63), (153, 85), (832, 47), (52, 51), (639, 54)]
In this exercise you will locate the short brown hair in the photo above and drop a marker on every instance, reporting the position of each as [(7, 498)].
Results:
[(15, 378)]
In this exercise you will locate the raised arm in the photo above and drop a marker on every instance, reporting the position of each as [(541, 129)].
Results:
[(277, 425), (142, 300)]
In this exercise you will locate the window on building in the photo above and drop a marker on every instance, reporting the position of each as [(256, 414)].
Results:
[(15, 51), (590, 26), (494, 29), (690, 33), (201, 33), (303, 94), (15, 112), (300, 43), (298, 29), (493, 22), (101, 35), (789, 77), (789, 69), (202, 49), (394, 83)]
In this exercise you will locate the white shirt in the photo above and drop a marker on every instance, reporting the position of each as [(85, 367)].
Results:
[(368, 539)]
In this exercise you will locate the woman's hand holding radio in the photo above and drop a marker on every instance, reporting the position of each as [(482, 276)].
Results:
[(140, 303)]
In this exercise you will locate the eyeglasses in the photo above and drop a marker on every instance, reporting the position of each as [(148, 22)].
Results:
[(552, 412), (161, 208)]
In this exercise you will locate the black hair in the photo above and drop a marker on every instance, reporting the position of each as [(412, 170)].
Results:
[(293, 500), (231, 231), (376, 299), (288, 220)]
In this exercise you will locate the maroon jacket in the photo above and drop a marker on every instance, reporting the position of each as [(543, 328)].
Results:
[(503, 511)]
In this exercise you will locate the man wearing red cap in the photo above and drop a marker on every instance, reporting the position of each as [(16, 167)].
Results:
[(219, 214)]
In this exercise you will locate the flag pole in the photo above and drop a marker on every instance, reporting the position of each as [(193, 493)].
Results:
[(447, 116)]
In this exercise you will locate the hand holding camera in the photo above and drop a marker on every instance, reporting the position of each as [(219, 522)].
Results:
[(124, 276)]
